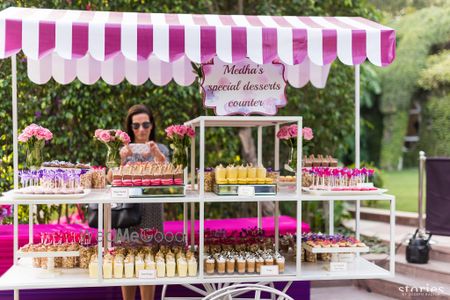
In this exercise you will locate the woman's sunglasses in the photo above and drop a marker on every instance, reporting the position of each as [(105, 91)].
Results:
[(145, 125)]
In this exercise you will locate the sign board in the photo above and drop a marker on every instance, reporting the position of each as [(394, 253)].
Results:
[(243, 88), (246, 191), (119, 193), (147, 274), (269, 270)]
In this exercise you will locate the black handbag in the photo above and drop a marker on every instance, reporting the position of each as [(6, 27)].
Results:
[(123, 215)]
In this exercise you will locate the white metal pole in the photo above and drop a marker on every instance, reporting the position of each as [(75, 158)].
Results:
[(15, 157), (277, 204), (185, 222), (192, 232), (100, 237), (277, 224), (422, 160), (277, 149), (260, 137), (392, 238), (357, 144), (30, 223), (15, 121), (193, 163), (259, 203), (331, 216), (202, 196), (16, 233), (299, 195), (192, 226)]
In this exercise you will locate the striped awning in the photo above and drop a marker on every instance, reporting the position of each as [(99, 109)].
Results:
[(104, 35)]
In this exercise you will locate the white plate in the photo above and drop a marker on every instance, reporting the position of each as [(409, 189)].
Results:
[(15, 195), (343, 193)]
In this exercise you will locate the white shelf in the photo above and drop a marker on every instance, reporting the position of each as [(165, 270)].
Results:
[(239, 121), (24, 276), (103, 196), (336, 249), (359, 269), (49, 254)]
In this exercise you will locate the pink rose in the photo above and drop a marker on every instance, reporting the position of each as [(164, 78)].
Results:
[(283, 133), (190, 132), (307, 133), (293, 130), (98, 132), (105, 137), (23, 138), (125, 138), (40, 133), (169, 131), (48, 135)]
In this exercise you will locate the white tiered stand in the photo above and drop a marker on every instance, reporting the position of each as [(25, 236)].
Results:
[(22, 276)]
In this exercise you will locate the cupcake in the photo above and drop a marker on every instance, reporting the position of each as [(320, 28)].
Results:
[(150, 262), (85, 254), (59, 260), (192, 267), (93, 267), (118, 266), (251, 264), (129, 266), (241, 265), (107, 266), (170, 267), (230, 265), (182, 267), (259, 262), (221, 264), (209, 265), (139, 264), (160, 267), (280, 261), (268, 260)]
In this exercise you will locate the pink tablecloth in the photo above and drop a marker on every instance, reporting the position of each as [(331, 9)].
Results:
[(287, 224)]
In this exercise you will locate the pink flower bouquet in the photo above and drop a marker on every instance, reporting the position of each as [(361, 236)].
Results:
[(34, 138), (113, 139), (289, 134), (180, 137)]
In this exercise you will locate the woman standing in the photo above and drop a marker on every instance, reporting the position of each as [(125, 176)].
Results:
[(140, 126)]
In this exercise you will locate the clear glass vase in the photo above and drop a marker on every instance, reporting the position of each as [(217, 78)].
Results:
[(112, 157), (180, 156), (34, 154), (292, 162)]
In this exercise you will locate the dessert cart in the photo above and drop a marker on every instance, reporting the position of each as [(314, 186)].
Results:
[(88, 45)]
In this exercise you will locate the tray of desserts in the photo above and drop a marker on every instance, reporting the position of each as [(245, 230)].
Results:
[(237, 180), (349, 191), (332, 248), (147, 174), (48, 194), (50, 184), (327, 181)]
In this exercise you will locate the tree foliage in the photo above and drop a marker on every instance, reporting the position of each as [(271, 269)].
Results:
[(418, 34)]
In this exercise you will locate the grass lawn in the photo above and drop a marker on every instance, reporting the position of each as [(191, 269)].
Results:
[(404, 185)]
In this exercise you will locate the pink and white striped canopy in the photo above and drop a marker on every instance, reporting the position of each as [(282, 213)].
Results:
[(137, 36)]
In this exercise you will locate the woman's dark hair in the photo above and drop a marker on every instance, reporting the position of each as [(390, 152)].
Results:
[(136, 110)]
